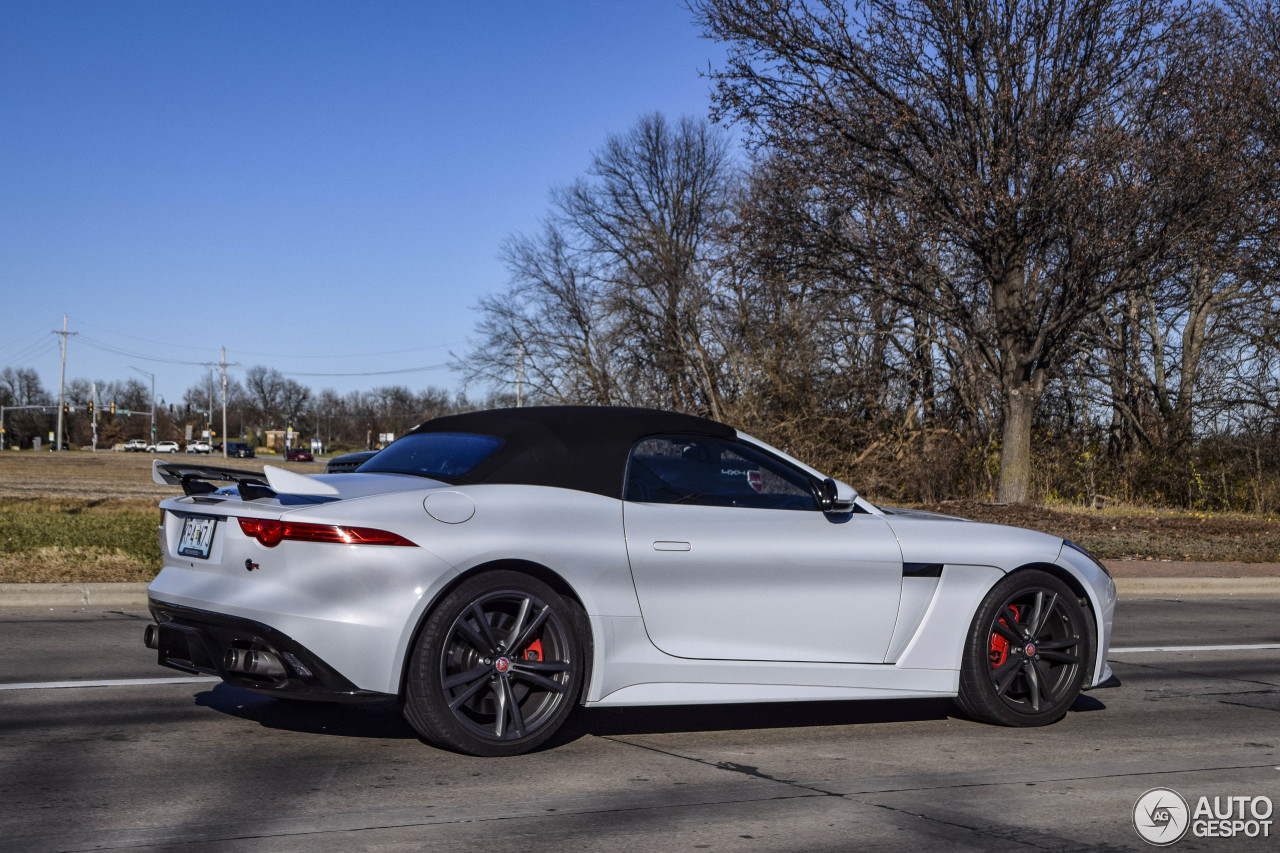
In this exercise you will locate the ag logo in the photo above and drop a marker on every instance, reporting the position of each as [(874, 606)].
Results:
[(1161, 816)]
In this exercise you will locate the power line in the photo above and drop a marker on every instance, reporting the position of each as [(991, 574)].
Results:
[(30, 353), (372, 373), (354, 355), (27, 342), (96, 344), (328, 355)]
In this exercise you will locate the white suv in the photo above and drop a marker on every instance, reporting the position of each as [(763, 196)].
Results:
[(165, 447), (198, 445), (136, 445)]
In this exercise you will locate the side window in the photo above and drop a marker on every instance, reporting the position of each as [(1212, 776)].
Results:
[(711, 472)]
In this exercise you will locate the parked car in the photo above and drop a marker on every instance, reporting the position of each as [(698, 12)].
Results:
[(198, 445), (493, 570), (136, 445), (297, 454), (164, 447), (348, 462)]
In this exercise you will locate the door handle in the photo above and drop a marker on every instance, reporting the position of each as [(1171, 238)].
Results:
[(671, 546)]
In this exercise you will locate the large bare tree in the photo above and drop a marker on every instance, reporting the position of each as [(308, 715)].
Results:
[(995, 134)]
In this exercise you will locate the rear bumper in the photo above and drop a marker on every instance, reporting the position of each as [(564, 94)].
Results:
[(197, 641)]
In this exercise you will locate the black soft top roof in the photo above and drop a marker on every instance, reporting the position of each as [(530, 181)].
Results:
[(570, 447)]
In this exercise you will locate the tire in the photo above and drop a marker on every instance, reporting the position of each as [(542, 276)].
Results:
[(470, 691), (1026, 652)]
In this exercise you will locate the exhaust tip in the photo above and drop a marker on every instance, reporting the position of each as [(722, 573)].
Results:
[(253, 662), (151, 636)]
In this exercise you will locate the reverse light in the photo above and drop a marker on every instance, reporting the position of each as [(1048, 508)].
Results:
[(271, 532)]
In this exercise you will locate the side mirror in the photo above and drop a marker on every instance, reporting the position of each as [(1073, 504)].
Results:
[(836, 497)]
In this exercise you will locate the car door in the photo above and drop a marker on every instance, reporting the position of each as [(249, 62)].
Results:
[(733, 559)]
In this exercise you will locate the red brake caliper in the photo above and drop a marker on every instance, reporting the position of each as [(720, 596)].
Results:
[(533, 651), (999, 645)]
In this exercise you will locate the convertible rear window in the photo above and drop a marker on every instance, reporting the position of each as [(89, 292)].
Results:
[(438, 455)]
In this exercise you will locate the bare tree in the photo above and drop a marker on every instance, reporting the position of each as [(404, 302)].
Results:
[(548, 332), (620, 281), (990, 130)]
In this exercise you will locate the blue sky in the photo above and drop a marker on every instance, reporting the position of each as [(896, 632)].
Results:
[(320, 187)]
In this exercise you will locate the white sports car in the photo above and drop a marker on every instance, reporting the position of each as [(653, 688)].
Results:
[(495, 569)]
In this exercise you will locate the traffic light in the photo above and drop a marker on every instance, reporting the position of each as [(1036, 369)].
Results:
[(90, 408), (113, 407), (66, 408)]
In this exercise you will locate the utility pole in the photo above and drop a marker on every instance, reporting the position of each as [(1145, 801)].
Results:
[(62, 381), (208, 413), (93, 407), (224, 364)]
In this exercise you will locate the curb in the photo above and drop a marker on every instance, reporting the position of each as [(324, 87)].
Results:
[(135, 594), (73, 594), (1173, 587)]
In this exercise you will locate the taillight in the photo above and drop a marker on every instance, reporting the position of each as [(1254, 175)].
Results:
[(271, 532)]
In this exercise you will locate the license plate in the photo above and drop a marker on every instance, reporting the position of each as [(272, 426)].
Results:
[(197, 536)]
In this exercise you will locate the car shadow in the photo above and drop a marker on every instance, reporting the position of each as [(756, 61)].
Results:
[(375, 719), (670, 719), (1085, 703), (382, 719)]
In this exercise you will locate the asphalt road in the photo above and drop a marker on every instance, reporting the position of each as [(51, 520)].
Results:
[(201, 766)]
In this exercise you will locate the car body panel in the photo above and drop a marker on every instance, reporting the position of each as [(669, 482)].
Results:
[(708, 591), (639, 674), (348, 603)]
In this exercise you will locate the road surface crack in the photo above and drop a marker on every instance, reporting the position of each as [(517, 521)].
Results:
[(730, 766)]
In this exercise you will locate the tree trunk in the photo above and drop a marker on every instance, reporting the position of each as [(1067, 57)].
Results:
[(1015, 446)]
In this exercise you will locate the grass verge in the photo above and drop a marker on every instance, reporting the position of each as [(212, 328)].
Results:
[(1135, 533), (86, 517), (78, 540)]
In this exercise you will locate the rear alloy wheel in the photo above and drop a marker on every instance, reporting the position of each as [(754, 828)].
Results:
[(1026, 653), (497, 667)]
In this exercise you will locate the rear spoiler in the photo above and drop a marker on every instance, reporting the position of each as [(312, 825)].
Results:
[(200, 480)]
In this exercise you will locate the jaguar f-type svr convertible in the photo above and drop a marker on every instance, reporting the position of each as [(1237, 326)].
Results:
[(493, 570)]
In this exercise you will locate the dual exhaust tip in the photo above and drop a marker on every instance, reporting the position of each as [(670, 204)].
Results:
[(247, 661), (253, 662)]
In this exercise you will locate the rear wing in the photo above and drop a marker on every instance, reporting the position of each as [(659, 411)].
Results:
[(202, 480)]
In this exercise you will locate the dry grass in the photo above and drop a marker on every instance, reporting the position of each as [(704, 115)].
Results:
[(45, 539), (1138, 533), (79, 517), (83, 517), (106, 474)]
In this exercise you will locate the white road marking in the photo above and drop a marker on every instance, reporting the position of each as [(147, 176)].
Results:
[(114, 682), (1133, 650)]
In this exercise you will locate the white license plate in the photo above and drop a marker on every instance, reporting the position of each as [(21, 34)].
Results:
[(197, 536)]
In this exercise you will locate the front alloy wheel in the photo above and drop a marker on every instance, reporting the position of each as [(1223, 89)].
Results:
[(1026, 653), (497, 668)]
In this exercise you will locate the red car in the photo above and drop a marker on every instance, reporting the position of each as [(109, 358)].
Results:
[(297, 454)]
